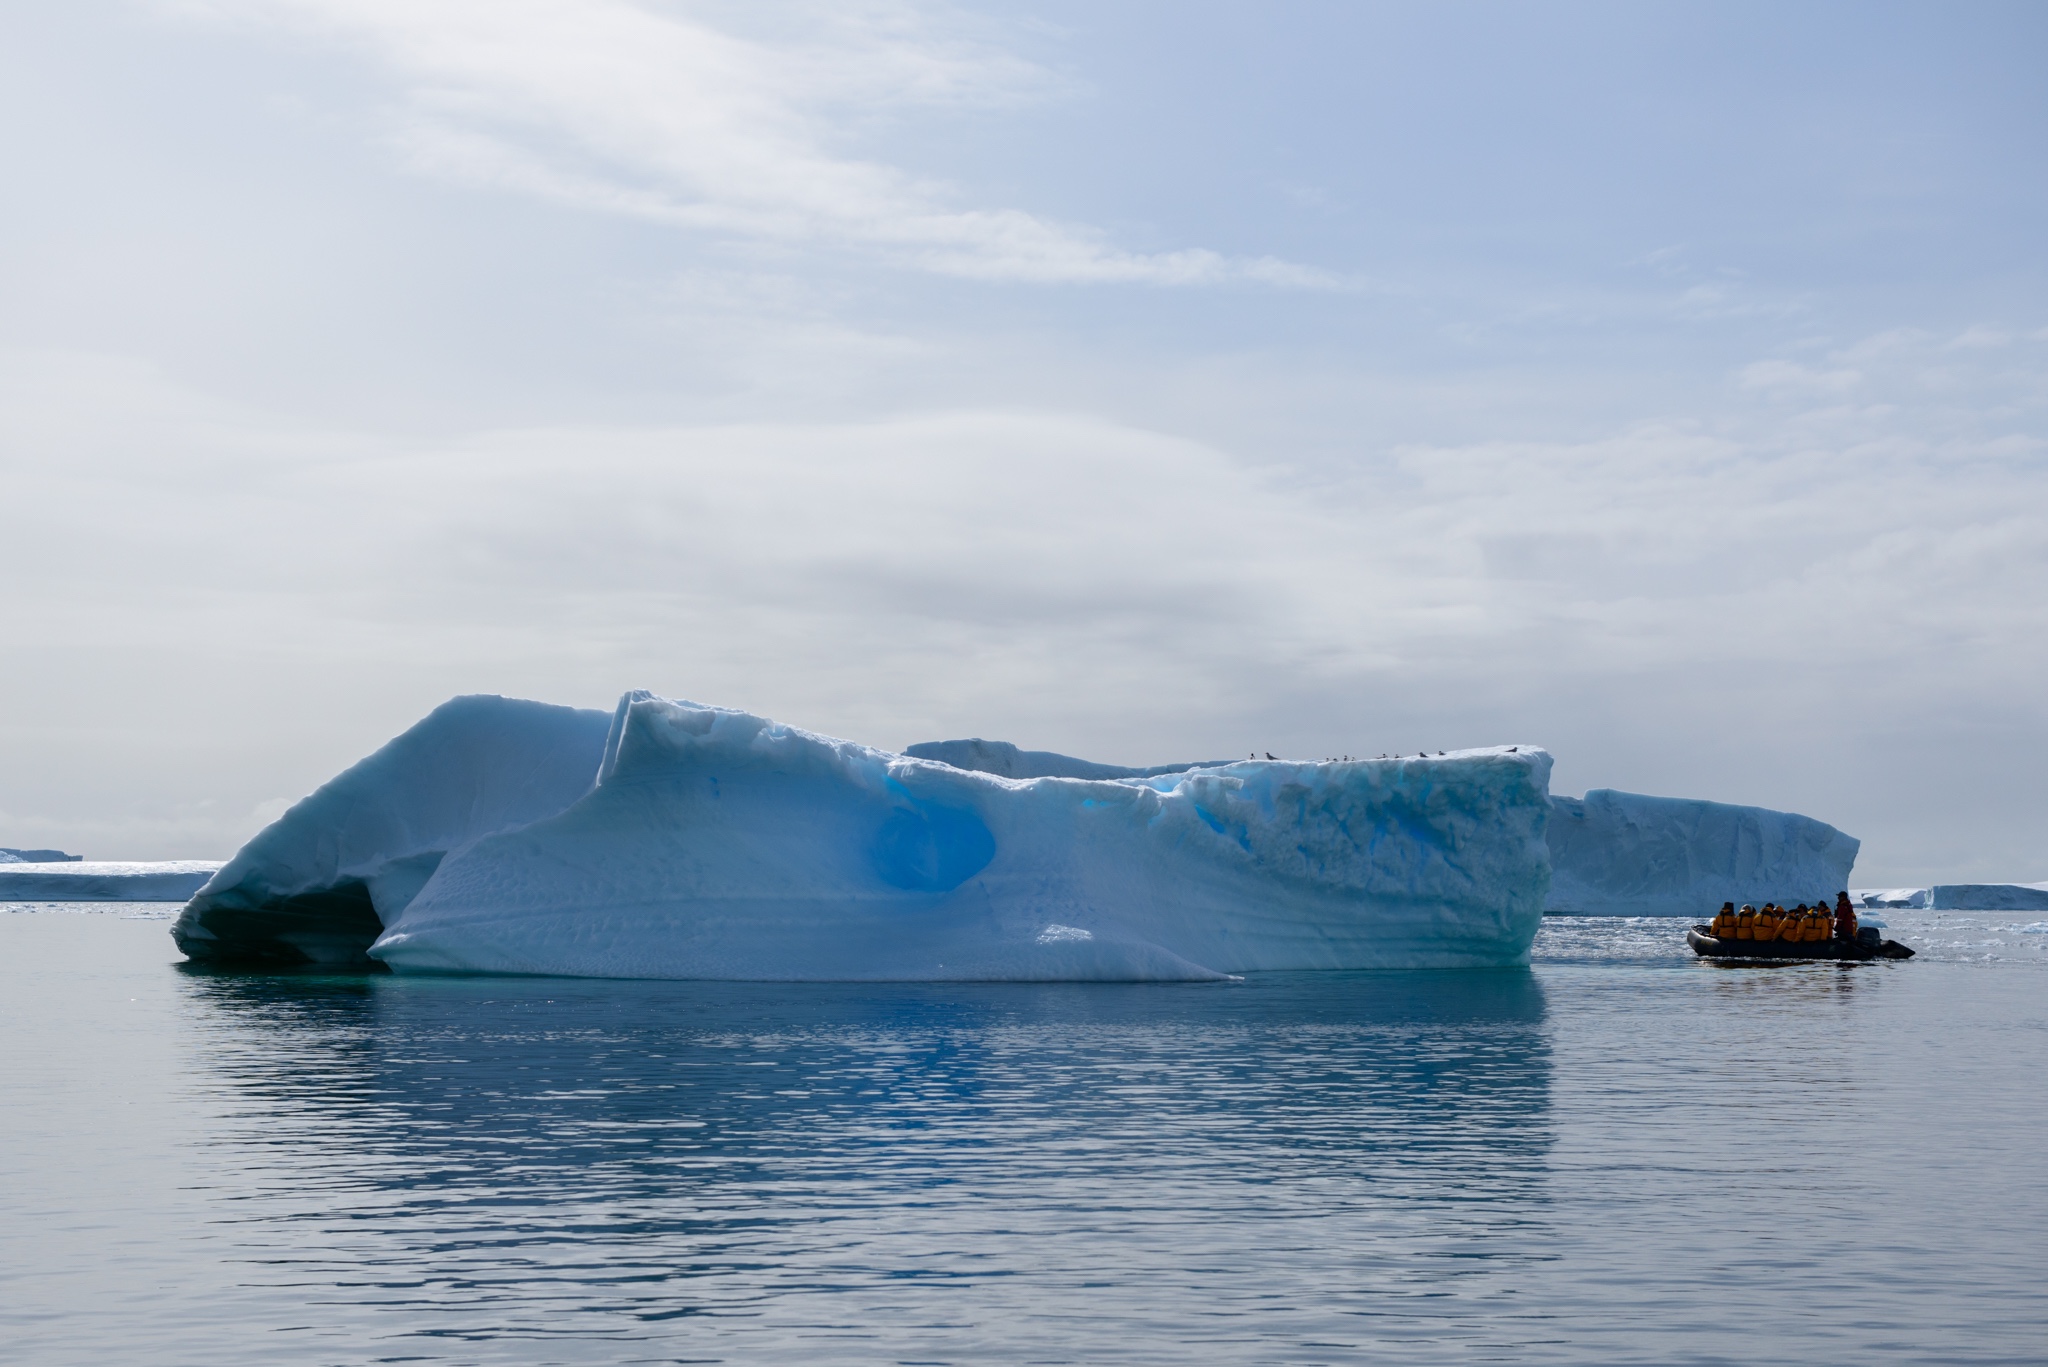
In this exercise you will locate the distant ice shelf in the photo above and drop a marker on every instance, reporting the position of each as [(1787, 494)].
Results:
[(676, 840), (1958, 897), (104, 880), (9, 856)]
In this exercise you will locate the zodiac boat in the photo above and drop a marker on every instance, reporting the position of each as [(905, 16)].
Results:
[(1867, 945)]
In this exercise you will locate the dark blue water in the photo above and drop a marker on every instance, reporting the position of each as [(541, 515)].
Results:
[(1620, 1155)]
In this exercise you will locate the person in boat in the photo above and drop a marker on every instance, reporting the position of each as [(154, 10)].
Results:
[(1845, 918), (1724, 922), (1766, 927), (1745, 922), (1792, 925)]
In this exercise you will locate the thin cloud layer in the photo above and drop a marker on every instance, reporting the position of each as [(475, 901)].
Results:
[(623, 108), (1078, 576)]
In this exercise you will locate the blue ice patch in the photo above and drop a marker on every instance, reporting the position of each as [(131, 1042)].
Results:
[(928, 848)]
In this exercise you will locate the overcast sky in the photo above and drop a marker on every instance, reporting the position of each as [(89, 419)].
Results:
[(1664, 385)]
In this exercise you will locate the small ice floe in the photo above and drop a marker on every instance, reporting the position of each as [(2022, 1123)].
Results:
[(1053, 935), (2037, 928)]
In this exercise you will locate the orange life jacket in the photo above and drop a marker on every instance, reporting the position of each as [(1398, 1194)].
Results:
[(1745, 923)]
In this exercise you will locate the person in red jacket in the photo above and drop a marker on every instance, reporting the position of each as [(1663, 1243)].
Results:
[(1845, 917)]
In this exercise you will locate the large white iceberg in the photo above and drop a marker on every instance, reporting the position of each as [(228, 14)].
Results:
[(103, 880), (674, 840), (1624, 854)]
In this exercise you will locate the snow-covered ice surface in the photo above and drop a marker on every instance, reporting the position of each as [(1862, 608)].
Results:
[(1624, 854), (717, 844), (104, 880)]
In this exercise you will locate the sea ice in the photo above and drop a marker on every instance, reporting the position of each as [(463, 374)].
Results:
[(1624, 854), (717, 844), (39, 857)]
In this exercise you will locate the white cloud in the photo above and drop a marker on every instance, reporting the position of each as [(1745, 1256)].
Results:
[(1979, 337), (1790, 375), (626, 108)]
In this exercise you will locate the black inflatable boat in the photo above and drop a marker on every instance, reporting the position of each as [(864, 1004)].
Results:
[(1868, 945)]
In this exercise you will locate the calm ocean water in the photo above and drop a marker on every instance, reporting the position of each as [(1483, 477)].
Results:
[(1619, 1155)]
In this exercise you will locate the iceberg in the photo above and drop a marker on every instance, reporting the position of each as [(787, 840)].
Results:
[(1625, 854), (75, 880), (676, 840), (39, 857), (1890, 898)]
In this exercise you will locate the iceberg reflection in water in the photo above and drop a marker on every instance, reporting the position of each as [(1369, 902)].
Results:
[(731, 1170), (1623, 1154)]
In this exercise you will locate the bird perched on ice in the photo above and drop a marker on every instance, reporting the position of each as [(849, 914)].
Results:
[(1271, 755)]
